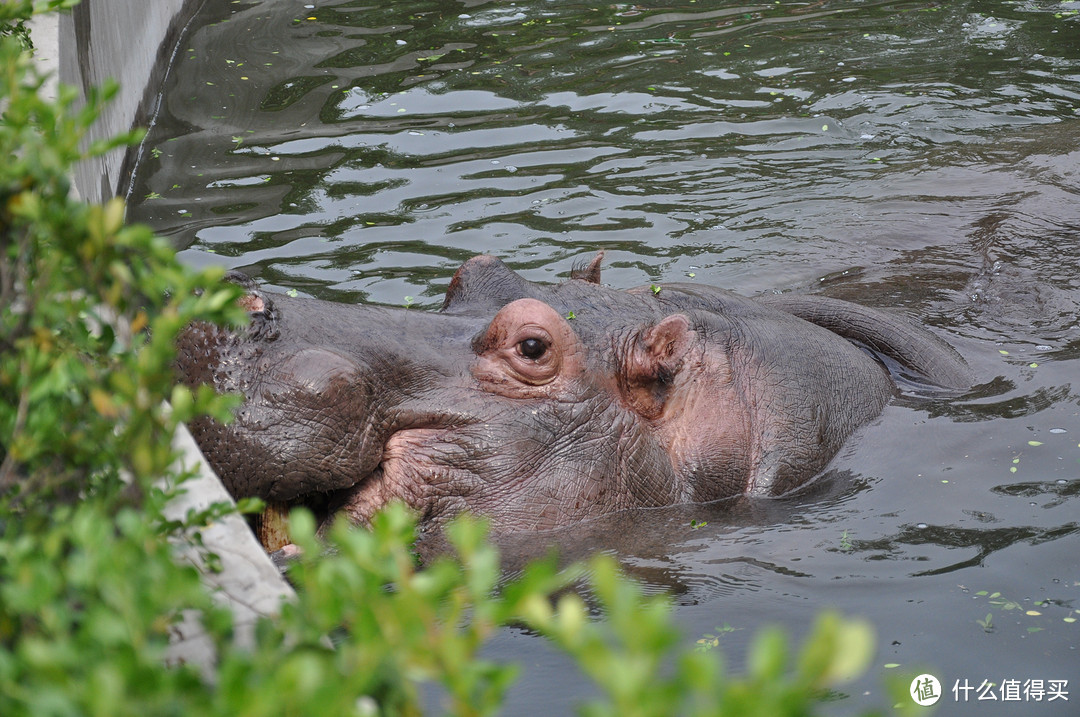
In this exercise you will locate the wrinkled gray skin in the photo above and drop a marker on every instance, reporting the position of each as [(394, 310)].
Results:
[(501, 405)]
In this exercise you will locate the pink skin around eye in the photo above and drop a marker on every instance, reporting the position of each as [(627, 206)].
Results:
[(503, 365)]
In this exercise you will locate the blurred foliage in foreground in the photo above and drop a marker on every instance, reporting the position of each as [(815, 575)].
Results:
[(89, 589)]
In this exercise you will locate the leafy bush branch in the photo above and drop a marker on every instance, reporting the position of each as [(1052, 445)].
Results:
[(89, 309)]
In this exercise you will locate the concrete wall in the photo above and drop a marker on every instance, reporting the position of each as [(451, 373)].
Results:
[(130, 41)]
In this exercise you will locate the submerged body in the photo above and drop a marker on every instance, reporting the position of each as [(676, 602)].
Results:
[(542, 405)]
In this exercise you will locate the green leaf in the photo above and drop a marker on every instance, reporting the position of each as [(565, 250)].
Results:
[(768, 655)]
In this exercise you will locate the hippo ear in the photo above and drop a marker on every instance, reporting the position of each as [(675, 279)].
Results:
[(653, 360), (588, 272)]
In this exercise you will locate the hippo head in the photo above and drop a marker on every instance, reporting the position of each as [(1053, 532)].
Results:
[(535, 405)]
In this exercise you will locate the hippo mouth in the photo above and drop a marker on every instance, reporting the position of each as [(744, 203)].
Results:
[(419, 466), (360, 501), (423, 467)]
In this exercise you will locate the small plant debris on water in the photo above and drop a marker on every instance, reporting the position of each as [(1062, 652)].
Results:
[(655, 288), (712, 640), (996, 599)]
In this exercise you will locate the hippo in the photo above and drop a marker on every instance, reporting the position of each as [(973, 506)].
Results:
[(542, 405)]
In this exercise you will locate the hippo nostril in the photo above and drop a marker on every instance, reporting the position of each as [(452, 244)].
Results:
[(532, 348)]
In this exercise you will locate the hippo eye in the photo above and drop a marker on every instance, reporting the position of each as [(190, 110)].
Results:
[(532, 348)]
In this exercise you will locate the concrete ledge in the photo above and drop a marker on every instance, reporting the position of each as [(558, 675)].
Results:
[(248, 583)]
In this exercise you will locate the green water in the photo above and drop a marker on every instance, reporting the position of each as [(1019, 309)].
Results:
[(917, 155)]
